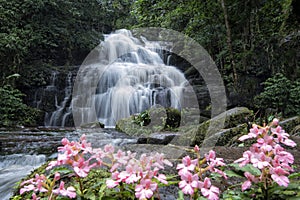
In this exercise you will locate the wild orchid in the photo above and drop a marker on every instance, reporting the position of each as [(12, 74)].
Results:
[(142, 173), (268, 155), (192, 171), (43, 184)]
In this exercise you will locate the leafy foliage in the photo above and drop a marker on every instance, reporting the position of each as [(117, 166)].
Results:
[(264, 36), (280, 94), (13, 111)]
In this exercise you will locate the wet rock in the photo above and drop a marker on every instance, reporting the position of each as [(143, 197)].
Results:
[(226, 137), (93, 125), (161, 138), (196, 134), (289, 124), (296, 131)]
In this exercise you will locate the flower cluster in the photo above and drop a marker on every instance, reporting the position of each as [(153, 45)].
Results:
[(124, 168), (141, 172), (268, 155), (73, 154), (142, 175), (191, 172), (42, 184)]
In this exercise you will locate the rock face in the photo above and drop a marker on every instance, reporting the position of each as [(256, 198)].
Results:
[(210, 133)]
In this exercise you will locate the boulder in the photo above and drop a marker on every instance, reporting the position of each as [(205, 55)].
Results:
[(212, 128), (155, 119), (226, 137), (92, 125), (162, 138)]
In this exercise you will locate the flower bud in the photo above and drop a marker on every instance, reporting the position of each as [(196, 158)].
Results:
[(275, 122)]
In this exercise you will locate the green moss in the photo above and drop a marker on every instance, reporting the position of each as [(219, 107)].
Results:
[(150, 121), (196, 134)]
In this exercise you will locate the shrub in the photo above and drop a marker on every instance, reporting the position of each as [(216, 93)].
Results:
[(281, 95), (13, 111)]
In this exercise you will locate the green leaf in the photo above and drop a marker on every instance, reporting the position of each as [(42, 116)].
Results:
[(62, 170), (247, 168), (294, 175), (231, 173), (102, 191), (180, 195)]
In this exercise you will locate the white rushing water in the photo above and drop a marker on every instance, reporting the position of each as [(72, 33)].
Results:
[(13, 168), (130, 77)]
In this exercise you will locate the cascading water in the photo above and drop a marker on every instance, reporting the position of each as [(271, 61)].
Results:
[(63, 109), (132, 77), (13, 168)]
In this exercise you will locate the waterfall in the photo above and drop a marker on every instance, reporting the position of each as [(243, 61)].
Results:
[(133, 78), (63, 109)]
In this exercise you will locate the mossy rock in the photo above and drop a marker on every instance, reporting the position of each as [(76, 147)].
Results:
[(226, 137), (128, 126), (196, 134), (289, 124), (150, 121)]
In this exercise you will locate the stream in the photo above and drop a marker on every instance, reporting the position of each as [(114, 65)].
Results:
[(24, 150)]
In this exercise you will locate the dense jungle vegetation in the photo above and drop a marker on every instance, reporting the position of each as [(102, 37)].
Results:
[(249, 38)]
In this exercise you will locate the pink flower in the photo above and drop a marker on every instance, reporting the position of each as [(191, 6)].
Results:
[(282, 137), (188, 183), (275, 122), (254, 132), (209, 191), (145, 189), (279, 176), (34, 197), (247, 155), (284, 157), (213, 162), (70, 191), (82, 167), (289, 142), (27, 188), (268, 156), (56, 176), (109, 148), (65, 141), (186, 165), (280, 180), (162, 178), (260, 160), (111, 183), (247, 184)]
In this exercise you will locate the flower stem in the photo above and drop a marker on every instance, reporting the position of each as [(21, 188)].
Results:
[(80, 184)]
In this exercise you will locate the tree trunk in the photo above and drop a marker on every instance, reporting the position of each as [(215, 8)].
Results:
[(229, 43)]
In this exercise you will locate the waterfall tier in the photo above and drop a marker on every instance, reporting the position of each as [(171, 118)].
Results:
[(125, 76)]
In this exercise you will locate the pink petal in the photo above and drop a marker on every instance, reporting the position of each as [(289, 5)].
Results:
[(111, 183), (188, 190), (246, 185), (280, 180), (71, 192), (289, 142)]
